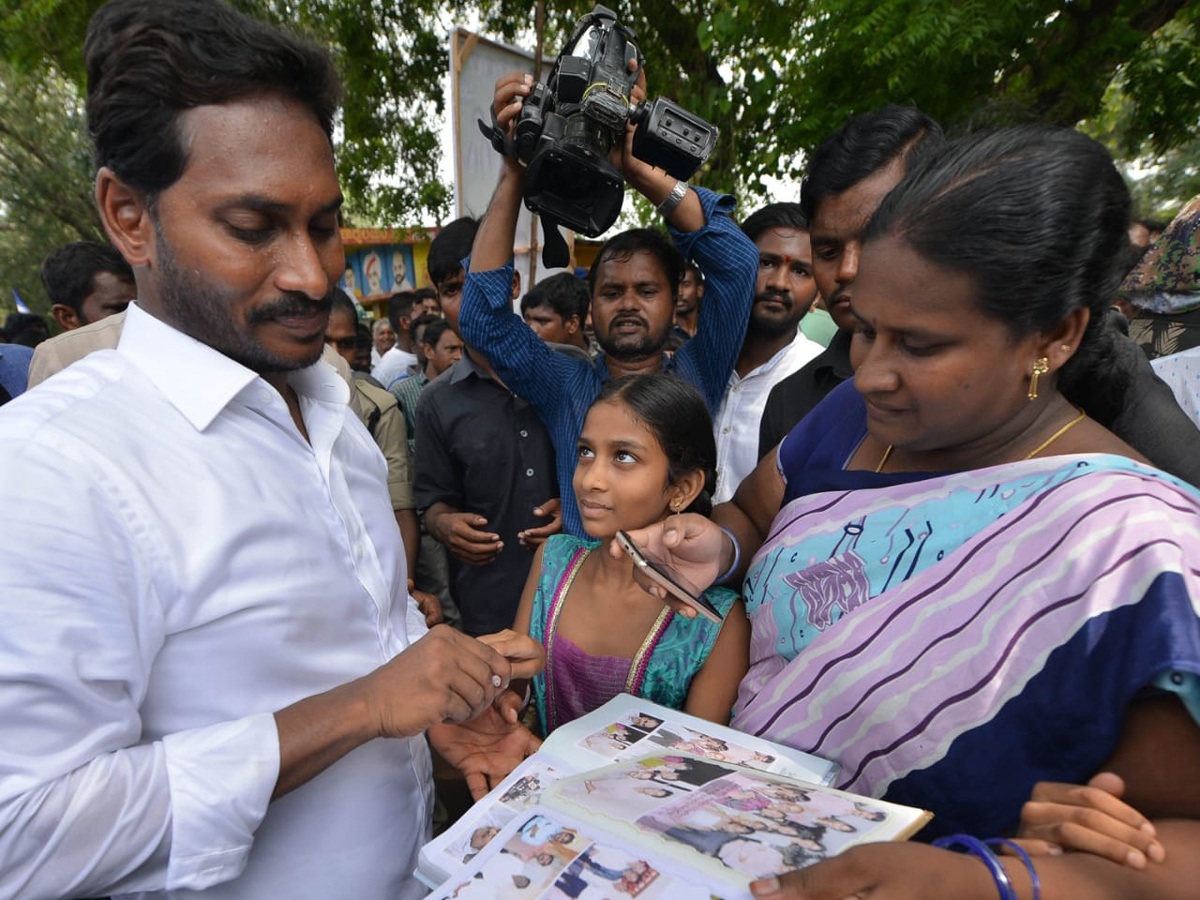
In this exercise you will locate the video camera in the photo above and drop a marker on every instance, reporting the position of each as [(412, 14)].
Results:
[(568, 125)]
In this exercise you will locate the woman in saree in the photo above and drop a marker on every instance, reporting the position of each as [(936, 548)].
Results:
[(960, 585)]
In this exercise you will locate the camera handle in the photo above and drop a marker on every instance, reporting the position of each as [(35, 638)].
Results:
[(501, 142)]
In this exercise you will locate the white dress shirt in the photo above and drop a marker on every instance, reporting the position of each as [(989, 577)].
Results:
[(736, 423), (393, 365), (1181, 371), (180, 563)]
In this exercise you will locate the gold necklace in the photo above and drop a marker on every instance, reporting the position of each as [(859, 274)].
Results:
[(1040, 447)]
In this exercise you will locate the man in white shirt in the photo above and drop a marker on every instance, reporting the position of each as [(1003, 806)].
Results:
[(774, 348), (205, 620), (395, 363)]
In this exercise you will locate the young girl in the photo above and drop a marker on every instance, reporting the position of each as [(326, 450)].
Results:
[(646, 452)]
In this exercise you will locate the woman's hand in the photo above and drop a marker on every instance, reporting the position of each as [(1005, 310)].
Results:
[(887, 871), (1088, 818), (690, 544)]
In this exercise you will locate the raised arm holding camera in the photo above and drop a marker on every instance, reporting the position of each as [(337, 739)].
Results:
[(635, 276)]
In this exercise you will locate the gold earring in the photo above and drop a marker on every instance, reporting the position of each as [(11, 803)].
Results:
[(1041, 367), (1066, 348)]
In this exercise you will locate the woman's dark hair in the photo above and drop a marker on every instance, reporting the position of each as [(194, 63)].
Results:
[(1037, 216), (148, 61), (677, 416)]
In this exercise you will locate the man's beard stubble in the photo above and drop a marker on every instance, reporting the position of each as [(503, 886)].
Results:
[(203, 312)]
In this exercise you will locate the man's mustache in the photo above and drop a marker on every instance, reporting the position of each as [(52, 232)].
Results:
[(291, 305)]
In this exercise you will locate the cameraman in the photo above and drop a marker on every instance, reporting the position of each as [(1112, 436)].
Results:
[(633, 282)]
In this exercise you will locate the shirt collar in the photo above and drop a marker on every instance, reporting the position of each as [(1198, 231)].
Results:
[(200, 381), (837, 354), (466, 367)]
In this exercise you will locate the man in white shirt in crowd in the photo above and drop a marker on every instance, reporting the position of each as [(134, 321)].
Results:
[(383, 339), (394, 364), (205, 619), (774, 348)]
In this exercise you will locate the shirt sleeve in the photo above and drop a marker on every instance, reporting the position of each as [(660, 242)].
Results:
[(436, 478), (391, 434), (729, 260), (88, 806), (544, 378)]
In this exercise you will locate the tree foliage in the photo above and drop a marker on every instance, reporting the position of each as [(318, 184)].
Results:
[(775, 75), (45, 178)]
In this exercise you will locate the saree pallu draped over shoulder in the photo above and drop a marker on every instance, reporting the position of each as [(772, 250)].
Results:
[(952, 640)]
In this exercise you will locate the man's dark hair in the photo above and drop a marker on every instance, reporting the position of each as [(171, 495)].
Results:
[(400, 306), (342, 304), (564, 293), (27, 329), (363, 341), (149, 61), (69, 272), (421, 321), (638, 240), (697, 272), (788, 216), (427, 293), (863, 146), (434, 331), (449, 248)]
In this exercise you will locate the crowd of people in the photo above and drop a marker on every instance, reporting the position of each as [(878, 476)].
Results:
[(923, 440)]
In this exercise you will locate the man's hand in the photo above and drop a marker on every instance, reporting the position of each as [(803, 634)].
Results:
[(691, 544), (444, 677), (485, 749), (886, 871), (531, 538), (1091, 819), (428, 604), (507, 102), (460, 532)]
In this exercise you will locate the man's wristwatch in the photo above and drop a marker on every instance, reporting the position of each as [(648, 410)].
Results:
[(674, 198)]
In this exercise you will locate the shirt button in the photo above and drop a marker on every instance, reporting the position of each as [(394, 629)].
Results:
[(529, 472), (524, 433), (1176, 678), (725, 431), (736, 388), (358, 551)]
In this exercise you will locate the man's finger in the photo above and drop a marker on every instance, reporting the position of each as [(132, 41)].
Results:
[(477, 784)]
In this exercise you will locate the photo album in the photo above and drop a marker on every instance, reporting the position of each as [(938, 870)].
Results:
[(637, 800)]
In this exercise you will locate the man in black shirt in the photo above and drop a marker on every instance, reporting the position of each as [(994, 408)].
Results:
[(485, 473), (848, 177)]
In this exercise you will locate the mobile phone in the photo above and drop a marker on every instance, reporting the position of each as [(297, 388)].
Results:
[(666, 577)]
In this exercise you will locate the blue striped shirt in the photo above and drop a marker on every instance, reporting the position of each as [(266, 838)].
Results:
[(561, 389)]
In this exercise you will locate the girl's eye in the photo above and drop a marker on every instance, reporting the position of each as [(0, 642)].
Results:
[(585, 453), (928, 350), (625, 456)]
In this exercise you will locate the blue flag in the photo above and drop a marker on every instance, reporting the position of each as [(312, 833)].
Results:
[(21, 307)]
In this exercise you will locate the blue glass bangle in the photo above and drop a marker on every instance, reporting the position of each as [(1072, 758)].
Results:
[(1017, 849), (976, 847), (737, 557)]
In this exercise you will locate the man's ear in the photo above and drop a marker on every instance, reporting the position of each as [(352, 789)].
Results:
[(126, 218), (571, 325), (67, 318), (516, 291)]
